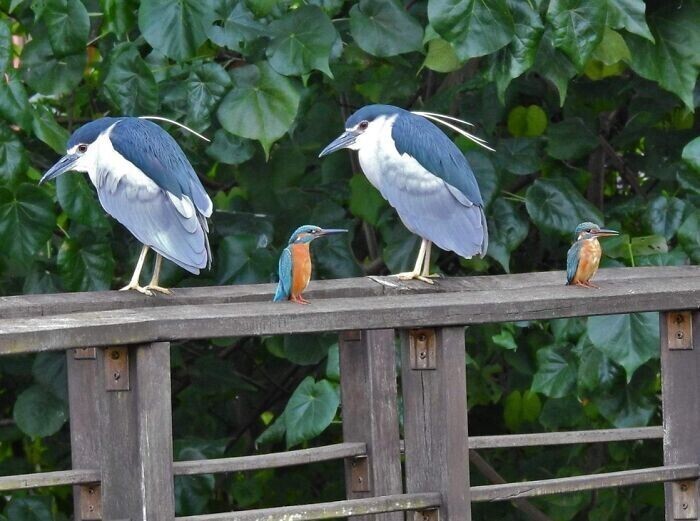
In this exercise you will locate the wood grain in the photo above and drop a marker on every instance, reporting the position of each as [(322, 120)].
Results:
[(542, 439), (49, 479)]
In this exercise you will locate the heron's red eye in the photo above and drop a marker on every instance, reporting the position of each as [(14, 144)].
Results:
[(82, 148), (363, 125)]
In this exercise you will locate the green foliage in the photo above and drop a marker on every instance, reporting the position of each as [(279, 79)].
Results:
[(589, 104)]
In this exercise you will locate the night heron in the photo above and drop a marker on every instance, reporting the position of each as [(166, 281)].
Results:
[(422, 174), (145, 182), (583, 257)]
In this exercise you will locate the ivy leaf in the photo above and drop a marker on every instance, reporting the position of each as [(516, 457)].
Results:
[(520, 156), (50, 370), (627, 408), (5, 45), (596, 371), (206, 85), (506, 232), (26, 221), (556, 206), (39, 413), (68, 26), (383, 28), (13, 159), (14, 102), (365, 201), (555, 376), (177, 28), (630, 340), (441, 56), (302, 42), (262, 105), (130, 85), (307, 349), (120, 16), (578, 27), (570, 139), (473, 27), (46, 129), (238, 29), (310, 410), (664, 215), (691, 155), (244, 259), (485, 172), (85, 267), (230, 149), (46, 73), (554, 65), (29, 508), (629, 14), (689, 236), (673, 60), (528, 121), (79, 201)]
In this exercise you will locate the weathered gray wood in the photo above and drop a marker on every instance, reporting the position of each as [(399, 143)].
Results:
[(84, 418), (140, 325), (49, 479), (270, 461), (25, 306), (565, 438), (681, 400), (435, 423), (370, 415), (545, 487), (332, 510), (136, 430)]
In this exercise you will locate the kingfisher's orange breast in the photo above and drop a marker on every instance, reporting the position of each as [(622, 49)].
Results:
[(301, 268), (589, 261)]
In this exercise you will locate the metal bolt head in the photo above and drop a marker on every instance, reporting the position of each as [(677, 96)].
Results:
[(679, 335), (117, 375), (114, 354), (684, 506), (684, 487), (422, 355), (421, 337)]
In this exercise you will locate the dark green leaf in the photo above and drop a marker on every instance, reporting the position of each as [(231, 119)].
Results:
[(177, 28), (504, 339), (26, 221), (192, 494), (555, 376), (5, 45), (520, 156), (595, 371), (630, 340), (206, 86), (507, 230), (273, 433), (230, 149), (365, 201), (120, 15), (629, 14), (68, 26), (627, 408), (50, 370), (32, 508), (691, 154), (665, 215), (556, 206), (13, 160), (306, 349), (570, 139), (262, 105), (46, 129), (554, 65), (14, 103), (39, 413), (333, 364), (79, 200), (473, 27), (485, 172), (310, 410), (244, 258), (673, 61), (48, 74), (578, 26), (302, 42), (85, 267), (689, 236), (238, 28), (384, 28), (130, 85)]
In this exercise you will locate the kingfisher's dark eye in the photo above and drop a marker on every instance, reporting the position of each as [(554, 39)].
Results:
[(589, 230), (363, 125), (82, 148)]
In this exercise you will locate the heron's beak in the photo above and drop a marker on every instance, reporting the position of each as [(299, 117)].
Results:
[(331, 231), (605, 233), (344, 140), (63, 165)]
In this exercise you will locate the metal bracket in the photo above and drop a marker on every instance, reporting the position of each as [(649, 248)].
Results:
[(359, 474), (679, 330), (427, 515), (90, 503), (85, 353), (685, 499), (116, 369), (422, 349)]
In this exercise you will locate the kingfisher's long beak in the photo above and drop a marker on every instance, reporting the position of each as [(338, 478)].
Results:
[(331, 231), (605, 233), (344, 140), (62, 166)]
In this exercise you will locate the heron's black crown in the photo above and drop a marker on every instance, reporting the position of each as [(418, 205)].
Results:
[(371, 112), (89, 132)]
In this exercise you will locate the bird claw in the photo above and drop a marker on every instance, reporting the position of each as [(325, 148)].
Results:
[(159, 289), (138, 288), (299, 300), (411, 275)]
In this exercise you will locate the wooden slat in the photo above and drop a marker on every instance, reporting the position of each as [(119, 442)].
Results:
[(565, 438), (269, 461), (49, 479), (331, 510), (496, 304), (26, 306), (545, 487)]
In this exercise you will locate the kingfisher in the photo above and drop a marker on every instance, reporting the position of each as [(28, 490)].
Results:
[(144, 180), (295, 263), (423, 175), (584, 255)]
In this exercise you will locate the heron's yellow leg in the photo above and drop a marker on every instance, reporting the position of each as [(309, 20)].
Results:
[(134, 283), (416, 273), (153, 285), (426, 263)]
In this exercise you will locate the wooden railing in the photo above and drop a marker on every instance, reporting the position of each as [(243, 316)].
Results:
[(120, 404)]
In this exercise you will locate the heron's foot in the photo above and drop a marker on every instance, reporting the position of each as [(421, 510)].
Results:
[(299, 300), (159, 289), (135, 286), (411, 275)]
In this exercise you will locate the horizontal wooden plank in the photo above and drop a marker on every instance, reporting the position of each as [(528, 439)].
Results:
[(49, 479), (674, 289), (25, 306), (510, 491), (331, 510), (565, 438), (270, 461)]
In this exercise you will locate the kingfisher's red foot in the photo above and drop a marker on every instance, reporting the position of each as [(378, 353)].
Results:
[(299, 300)]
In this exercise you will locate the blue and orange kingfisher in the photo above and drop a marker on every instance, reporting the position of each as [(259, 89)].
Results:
[(295, 263), (584, 255)]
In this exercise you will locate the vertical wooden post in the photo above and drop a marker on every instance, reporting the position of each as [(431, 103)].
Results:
[(135, 425), (370, 415), (434, 385), (680, 367), (83, 390)]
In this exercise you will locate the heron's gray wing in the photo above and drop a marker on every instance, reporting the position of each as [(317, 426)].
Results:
[(157, 154), (148, 212)]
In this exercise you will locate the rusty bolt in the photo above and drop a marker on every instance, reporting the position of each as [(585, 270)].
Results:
[(115, 355), (684, 487), (679, 319), (679, 335), (117, 375)]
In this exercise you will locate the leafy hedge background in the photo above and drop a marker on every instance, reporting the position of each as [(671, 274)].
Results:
[(589, 103)]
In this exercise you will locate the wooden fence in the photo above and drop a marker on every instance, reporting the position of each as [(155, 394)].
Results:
[(117, 346)]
